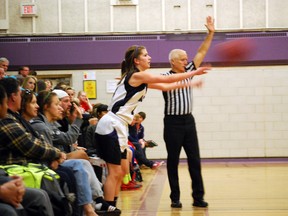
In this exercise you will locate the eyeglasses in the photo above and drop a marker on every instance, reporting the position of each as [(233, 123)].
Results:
[(26, 91)]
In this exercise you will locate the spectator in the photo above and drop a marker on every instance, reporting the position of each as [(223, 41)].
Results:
[(136, 135), (4, 63), (85, 104), (41, 86), (30, 82), (61, 85), (12, 125), (49, 84), (87, 183), (32, 73), (23, 72), (2, 73), (71, 92)]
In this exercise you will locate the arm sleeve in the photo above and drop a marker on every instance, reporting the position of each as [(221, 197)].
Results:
[(17, 139), (69, 137)]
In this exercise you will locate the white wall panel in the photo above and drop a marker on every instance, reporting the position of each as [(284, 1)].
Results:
[(47, 21), (254, 14), (228, 14), (72, 16), (150, 15), (98, 16), (278, 13), (124, 18)]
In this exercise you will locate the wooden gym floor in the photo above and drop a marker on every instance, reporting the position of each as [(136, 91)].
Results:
[(251, 187)]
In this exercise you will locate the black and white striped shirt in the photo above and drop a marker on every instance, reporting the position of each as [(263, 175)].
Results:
[(179, 101)]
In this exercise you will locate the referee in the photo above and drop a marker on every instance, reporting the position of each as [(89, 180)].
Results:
[(179, 124)]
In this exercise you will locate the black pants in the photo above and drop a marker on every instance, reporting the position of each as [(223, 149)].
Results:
[(141, 156), (180, 131)]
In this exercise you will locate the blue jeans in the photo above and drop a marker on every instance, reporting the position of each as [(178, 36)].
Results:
[(84, 192), (95, 184), (88, 185)]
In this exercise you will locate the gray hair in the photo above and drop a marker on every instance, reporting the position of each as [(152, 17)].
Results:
[(3, 59), (174, 54)]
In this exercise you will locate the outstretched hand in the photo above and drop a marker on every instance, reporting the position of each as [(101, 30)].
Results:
[(210, 24), (201, 70)]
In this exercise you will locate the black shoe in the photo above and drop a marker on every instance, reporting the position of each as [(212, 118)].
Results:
[(150, 143), (176, 204), (200, 203), (116, 212)]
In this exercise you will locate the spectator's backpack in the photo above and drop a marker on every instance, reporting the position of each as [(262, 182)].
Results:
[(40, 176)]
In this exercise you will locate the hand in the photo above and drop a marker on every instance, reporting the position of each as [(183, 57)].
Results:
[(142, 142), (77, 113), (197, 83), (12, 192), (79, 148), (62, 158), (93, 121), (201, 70), (210, 24), (54, 165), (76, 147)]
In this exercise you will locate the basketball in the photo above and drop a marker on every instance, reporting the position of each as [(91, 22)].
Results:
[(235, 50)]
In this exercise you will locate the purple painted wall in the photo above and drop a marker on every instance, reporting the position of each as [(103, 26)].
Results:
[(108, 51)]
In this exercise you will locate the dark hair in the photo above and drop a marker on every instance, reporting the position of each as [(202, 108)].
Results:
[(26, 97), (22, 68), (41, 85), (61, 86), (128, 67), (33, 73), (98, 108), (3, 94), (43, 98), (11, 85), (142, 114)]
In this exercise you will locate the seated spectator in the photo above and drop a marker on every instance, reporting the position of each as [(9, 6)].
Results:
[(34, 201), (85, 104), (4, 63), (71, 92), (61, 85), (23, 72), (99, 110), (2, 73), (49, 84), (136, 135), (41, 86), (33, 73), (30, 82), (87, 183)]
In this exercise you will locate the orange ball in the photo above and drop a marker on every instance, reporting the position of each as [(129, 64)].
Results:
[(236, 50)]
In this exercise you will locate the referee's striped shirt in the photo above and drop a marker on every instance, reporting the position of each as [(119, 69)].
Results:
[(179, 101)]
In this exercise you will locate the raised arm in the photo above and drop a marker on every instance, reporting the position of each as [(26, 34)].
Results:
[(203, 49)]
